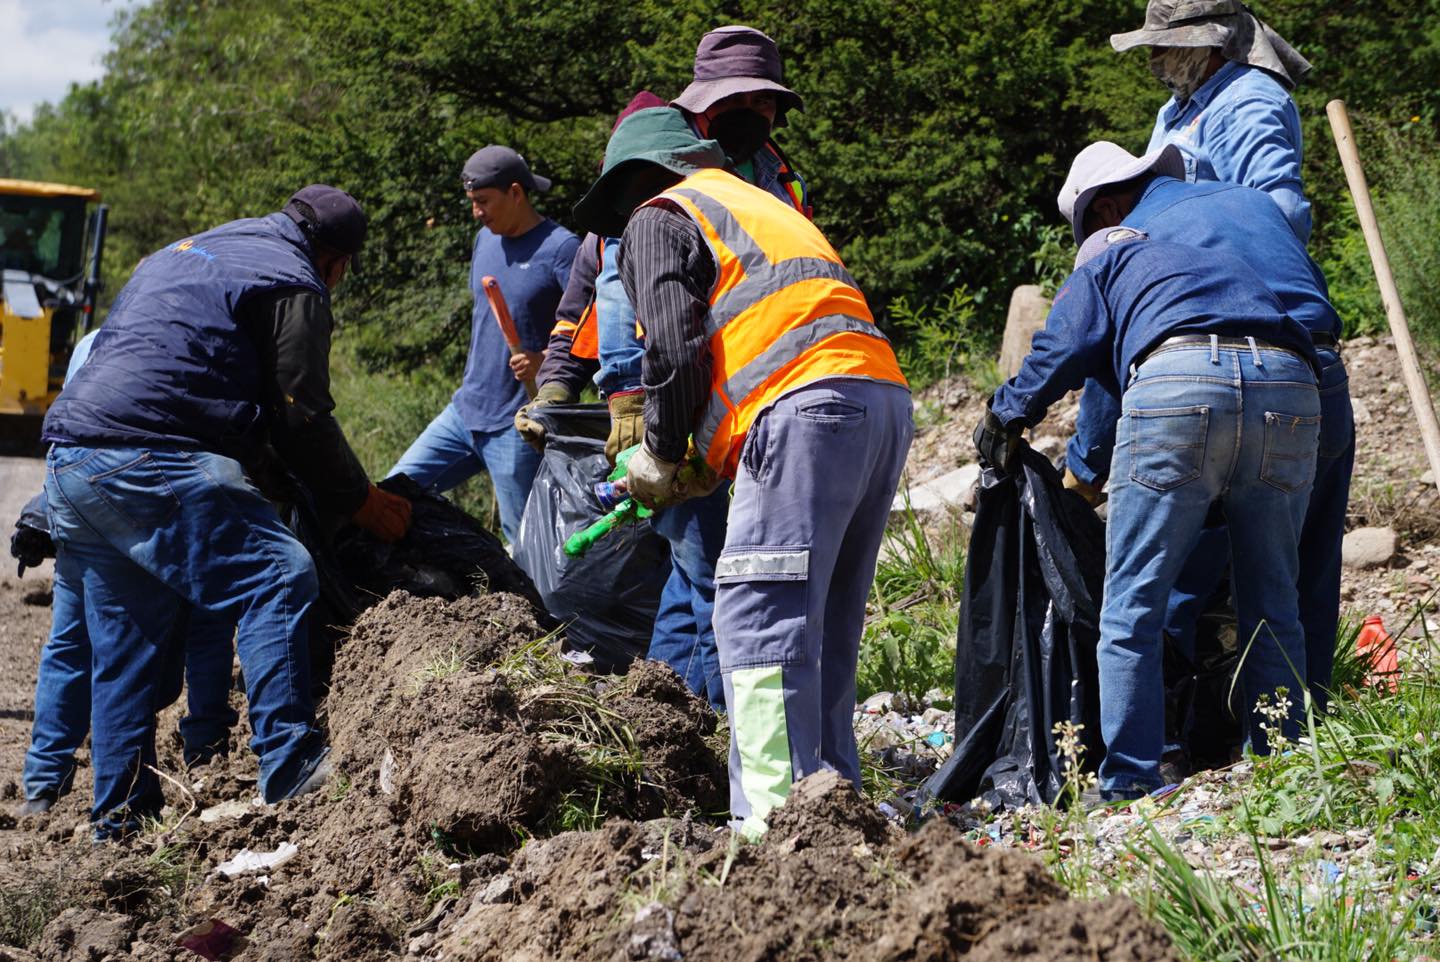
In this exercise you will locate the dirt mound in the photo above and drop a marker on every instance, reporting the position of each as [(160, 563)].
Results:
[(479, 734), (830, 880)]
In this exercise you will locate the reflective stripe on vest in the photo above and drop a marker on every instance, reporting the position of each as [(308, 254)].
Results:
[(784, 311)]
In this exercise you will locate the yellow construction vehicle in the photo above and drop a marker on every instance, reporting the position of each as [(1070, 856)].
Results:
[(50, 248)]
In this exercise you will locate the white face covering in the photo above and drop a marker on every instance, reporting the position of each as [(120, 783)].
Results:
[(1180, 69)]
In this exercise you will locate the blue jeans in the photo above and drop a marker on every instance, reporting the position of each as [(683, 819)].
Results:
[(684, 636), (1320, 541), (143, 532), (1199, 425), (813, 491), (447, 453), (200, 641)]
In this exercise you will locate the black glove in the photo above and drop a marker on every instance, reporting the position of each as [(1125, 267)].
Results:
[(30, 546), (997, 443)]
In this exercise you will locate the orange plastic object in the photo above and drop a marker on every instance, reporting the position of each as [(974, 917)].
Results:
[(501, 310), (1376, 642)]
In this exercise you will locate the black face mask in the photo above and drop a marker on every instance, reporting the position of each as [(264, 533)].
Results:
[(741, 133)]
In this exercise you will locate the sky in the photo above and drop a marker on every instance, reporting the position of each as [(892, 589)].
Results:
[(46, 45)]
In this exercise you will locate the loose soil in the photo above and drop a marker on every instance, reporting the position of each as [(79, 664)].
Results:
[(464, 749)]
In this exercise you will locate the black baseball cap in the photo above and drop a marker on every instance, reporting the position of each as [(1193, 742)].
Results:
[(329, 217), (499, 167)]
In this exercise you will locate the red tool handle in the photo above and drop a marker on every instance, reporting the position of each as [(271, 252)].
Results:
[(501, 310)]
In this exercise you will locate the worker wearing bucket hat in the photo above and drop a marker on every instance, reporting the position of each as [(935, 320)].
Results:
[(1230, 110), (738, 98), (779, 379)]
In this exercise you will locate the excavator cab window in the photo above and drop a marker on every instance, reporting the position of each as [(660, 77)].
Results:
[(43, 235)]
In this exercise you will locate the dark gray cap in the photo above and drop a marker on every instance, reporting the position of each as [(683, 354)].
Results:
[(499, 167), (732, 60), (329, 217)]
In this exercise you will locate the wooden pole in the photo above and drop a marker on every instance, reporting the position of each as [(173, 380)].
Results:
[(1389, 295)]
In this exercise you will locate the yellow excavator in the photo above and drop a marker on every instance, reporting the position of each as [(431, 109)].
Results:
[(51, 240)]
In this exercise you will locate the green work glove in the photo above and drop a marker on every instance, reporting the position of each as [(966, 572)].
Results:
[(627, 422), (533, 431)]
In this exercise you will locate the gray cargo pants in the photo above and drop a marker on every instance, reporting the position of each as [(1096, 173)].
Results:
[(812, 495)]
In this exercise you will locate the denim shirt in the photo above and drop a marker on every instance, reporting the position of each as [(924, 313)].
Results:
[(621, 349), (1119, 305), (1222, 217), (1241, 127)]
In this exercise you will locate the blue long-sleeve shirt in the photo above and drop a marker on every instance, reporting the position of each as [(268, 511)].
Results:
[(1241, 127), (1117, 306), (1222, 217)]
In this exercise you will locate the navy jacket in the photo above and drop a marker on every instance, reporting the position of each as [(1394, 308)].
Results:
[(1223, 217), (173, 363), (1124, 302)]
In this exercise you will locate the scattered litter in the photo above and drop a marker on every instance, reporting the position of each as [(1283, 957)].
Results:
[(387, 773), (246, 861), (213, 940)]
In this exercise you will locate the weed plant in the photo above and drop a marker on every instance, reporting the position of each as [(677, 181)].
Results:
[(909, 643), (937, 340)]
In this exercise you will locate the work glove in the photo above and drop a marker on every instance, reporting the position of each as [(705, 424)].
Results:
[(650, 480), (627, 422), (997, 443), (30, 546), (1092, 493), (533, 431), (385, 515)]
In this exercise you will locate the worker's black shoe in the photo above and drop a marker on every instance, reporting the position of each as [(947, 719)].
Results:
[(38, 805), (1175, 767), (1095, 800)]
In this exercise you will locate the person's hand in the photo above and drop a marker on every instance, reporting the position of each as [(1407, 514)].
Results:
[(1092, 493), (531, 430), (526, 364), (30, 546), (997, 443), (650, 480), (695, 478), (385, 515), (627, 422)]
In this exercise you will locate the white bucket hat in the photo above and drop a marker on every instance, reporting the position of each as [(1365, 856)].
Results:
[(1102, 164)]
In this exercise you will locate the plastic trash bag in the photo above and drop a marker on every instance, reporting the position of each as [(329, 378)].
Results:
[(446, 553), (609, 595), (1025, 654)]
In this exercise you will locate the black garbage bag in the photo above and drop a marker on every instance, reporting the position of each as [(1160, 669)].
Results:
[(609, 595), (446, 553), (1029, 625)]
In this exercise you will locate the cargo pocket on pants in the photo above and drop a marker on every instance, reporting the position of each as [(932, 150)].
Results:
[(1290, 447), (1167, 445), (761, 601)]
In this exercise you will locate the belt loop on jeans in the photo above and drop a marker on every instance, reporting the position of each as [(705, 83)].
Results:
[(1214, 348), (1134, 370), (1255, 352)]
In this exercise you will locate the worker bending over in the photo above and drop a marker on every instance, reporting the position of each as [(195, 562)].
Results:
[(219, 343), (762, 354), (1240, 221), (1219, 404)]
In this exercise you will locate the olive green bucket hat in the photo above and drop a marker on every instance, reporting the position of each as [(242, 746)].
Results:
[(656, 136)]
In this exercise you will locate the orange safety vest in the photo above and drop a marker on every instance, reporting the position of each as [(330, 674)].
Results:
[(784, 312)]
